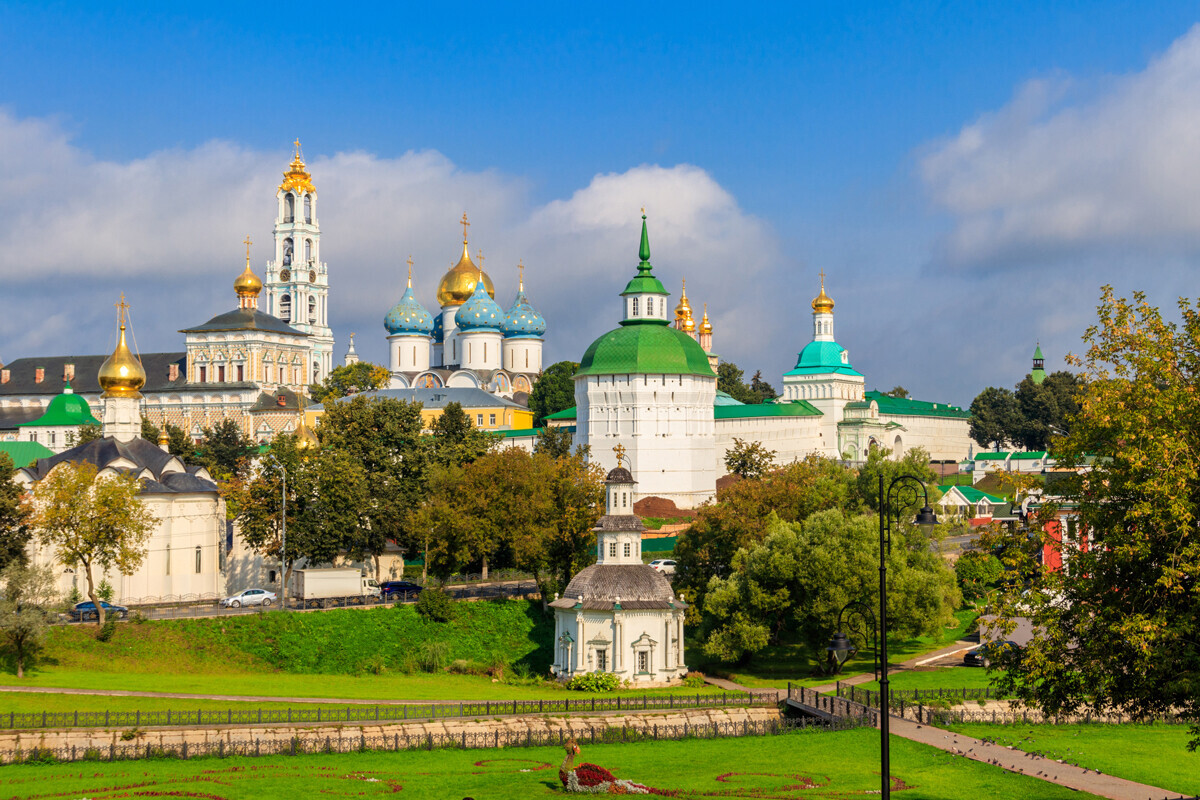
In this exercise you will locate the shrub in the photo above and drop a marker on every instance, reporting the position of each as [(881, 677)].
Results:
[(107, 630), (372, 665), (594, 682), (433, 655), (435, 604), (693, 680), (977, 572), (73, 597), (105, 591), (464, 666)]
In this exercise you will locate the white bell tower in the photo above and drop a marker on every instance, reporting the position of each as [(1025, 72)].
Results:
[(297, 284)]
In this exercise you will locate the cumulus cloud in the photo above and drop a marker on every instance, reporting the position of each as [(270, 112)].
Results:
[(1072, 169), (166, 229)]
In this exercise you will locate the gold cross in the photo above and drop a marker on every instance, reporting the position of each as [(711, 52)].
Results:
[(297, 143), (521, 274), (410, 271), (643, 211), (479, 253), (465, 224), (121, 307), (247, 242), (620, 451), (822, 280)]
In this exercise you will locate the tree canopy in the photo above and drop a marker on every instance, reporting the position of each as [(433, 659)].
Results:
[(225, 449), (1028, 417), (729, 380), (179, 443), (749, 459), (1116, 627), (28, 606), (456, 440), (14, 515), (553, 391), (361, 376)]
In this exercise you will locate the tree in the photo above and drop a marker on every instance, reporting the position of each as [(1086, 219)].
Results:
[(880, 464), (14, 516), (361, 376), (749, 459), (383, 435), (28, 596), (1046, 408), (797, 579), (456, 440), (729, 380), (92, 521), (1116, 627), (178, 442), (977, 573), (88, 433), (899, 392), (554, 441), (225, 449), (995, 418), (553, 391), (761, 389)]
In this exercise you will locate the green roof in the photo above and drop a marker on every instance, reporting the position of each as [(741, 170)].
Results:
[(974, 495), (819, 358), (644, 282), (650, 348), (520, 433), (1035, 455), (66, 410), (991, 456), (798, 408), (566, 413), (906, 407), (726, 399), (24, 454)]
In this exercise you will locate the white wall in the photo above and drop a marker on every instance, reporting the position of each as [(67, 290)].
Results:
[(621, 634)]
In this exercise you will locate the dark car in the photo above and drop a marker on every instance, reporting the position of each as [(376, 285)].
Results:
[(987, 652), (87, 610), (399, 590)]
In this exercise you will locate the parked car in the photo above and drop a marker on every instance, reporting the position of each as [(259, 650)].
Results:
[(664, 565), (249, 597), (87, 610), (987, 652), (393, 589)]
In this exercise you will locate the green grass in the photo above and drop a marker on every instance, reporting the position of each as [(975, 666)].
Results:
[(943, 678), (774, 666), (836, 764), (1153, 754)]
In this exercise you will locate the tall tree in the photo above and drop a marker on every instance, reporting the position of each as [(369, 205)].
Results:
[(361, 376), (1047, 408), (554, 441), (87, 433), (28, 596), (749, 459), (225, 449), (92, 521), (761, 389), (14, 516), (178, 442), (1116, 628), (456, 440), (729, 380), (898, 392), (576, 490), (553, 391), (797, 579), (384, 436), (996, 420), (881, 464)]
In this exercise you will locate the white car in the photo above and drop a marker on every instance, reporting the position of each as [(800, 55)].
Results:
[(664, 565), (250, 597)]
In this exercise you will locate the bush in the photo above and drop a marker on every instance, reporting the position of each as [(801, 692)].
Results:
[(105, 591), (372, 665), (693, 680), (107, 630), (595, 682), (433, 655), (435, 604), (977, 573)]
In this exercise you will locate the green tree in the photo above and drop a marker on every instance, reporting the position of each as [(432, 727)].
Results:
[(383, 435), (1047, 408), (576, 490), (28, 600), (899, 392), (87, 433), (796, 580), (225, 449), (996, 420), (905, 503), (749, 459), (762, 390), (361, 376), (14, 516), (456, 440), (92, 522), (729, 380), (178, 442), (1116, 627), (978, 573), (554, 441), (553, 391)]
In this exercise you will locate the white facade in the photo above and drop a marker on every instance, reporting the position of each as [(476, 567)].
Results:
[(793, 438), (522, 355), (408, 353), (480, 349)]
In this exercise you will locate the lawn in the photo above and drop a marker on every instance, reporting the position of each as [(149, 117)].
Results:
[(774, 666), (1152, 754), (941, 678), (789, 767)]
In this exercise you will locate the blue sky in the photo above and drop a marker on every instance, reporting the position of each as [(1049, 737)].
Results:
[(917, 152)]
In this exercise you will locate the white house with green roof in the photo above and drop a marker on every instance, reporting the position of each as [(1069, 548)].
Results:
[(58, 428)]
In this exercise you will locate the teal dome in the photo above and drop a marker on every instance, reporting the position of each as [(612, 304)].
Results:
[(408, 317), (820, 358), (480, 312), (522, 321), (439, 330)]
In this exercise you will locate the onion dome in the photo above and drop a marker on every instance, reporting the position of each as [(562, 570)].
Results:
[(522, 320), (306, 439), (683, 312), (705, 325), (247, 284), (122, 374), (458, 284), (822, 303), (480, 312), (409, 316), (297, 179)]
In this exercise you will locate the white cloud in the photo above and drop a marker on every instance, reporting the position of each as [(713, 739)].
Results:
[(1069, 169)]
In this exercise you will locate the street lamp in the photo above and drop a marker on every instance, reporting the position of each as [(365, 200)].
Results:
[(840, 647), (925, 519)]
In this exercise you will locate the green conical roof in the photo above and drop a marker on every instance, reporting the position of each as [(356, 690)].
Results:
[(644, 282), (1037, 353), (66, 410)]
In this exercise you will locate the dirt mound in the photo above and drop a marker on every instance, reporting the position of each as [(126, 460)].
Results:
[(659, 508)]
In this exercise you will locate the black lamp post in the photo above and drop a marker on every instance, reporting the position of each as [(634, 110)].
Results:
[(840, 647), (926, 519)]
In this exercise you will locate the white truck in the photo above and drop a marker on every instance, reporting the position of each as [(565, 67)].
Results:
[(319, 587)]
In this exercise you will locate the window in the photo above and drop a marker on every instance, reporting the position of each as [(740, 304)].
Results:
[(271, 576), (220, 374), (168, 559), (33, 436), (624, 500), (602, 660), (492, 420), (308, 251), (289, 207), (51, 437), (287, 252), (479, 420), (526, 359), (649, 306), (643, 661), (612, 549), (308, 208), (485, 351), (628, 551), (312, 309), (241, 373), (198, 560), (204, 374), (285, 308), (635, 307)]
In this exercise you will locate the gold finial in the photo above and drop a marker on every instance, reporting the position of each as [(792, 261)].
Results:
[(465, 225), (705, 325), (822, 274), (122, 373), (247, 285), (352, 337), (297, 179), (823, 303), (479, 255), (121, 307), (620, 451), (410, 271), (521, 275), (297, 145), (163, 438), (643, 211), (247, 242)]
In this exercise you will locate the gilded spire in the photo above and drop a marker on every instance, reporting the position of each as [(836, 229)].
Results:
[(297, 179), (705, 325), (683, 312), (458, 283), (521, 275), (410, 271), (822, 303), (247, 285), (122, 373)]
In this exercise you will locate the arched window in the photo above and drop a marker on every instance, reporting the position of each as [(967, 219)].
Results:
[(308, 251), (289, 207), (287, 251), (649, 306), (308, 208), (312, 309), (285, 308), (199, 560), (635, 306), (316, 373)]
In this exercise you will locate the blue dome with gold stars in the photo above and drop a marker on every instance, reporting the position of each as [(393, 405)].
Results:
[(522, 321), (480, 312), (408, 317)]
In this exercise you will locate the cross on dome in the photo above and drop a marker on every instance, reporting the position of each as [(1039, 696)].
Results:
[(465, 225)]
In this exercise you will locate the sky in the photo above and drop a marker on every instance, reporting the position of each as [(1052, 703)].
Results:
[(966, 175)]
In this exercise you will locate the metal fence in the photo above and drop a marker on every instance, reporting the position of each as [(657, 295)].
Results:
[(837, 707), (937, 716), (460, 741), (378, 713), (902, 698)]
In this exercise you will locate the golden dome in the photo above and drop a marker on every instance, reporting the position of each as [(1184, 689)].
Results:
[(705, 325), (306, 439), (164, 438), (122, 374), (683, 311), (823, 303), (297, 179), (247, 284), (459, 281)]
